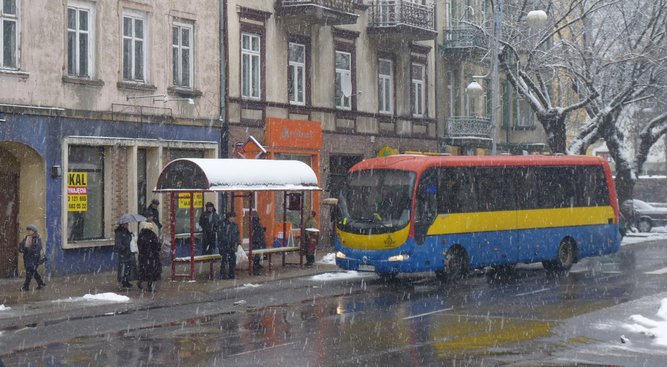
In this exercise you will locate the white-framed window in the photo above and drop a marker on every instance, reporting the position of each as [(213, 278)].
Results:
[(296, 78), (85, 192), (343, 80), (80, 39), (135, 32), (386, 86), (9, 33), (418, 90), (250, 66), (181, 54)]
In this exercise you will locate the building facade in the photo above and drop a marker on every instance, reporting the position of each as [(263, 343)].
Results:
[(364, 72), (464, 116), (91, 108)]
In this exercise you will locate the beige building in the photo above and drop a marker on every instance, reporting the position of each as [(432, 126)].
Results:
[(359, 76), (97, 96)]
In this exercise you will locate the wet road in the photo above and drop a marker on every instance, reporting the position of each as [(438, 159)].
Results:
[(527, 317)]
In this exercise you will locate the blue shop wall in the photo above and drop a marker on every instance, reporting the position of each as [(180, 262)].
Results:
[(45, 135)]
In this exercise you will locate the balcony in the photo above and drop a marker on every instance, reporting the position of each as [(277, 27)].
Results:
[(462, 41), (402, 20), (322, 12), (469, 130)]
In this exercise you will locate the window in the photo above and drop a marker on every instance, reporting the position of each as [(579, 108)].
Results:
[(79, 39), (134, 47), (9, 33), (296, 78), (85, 193), (250, 66), (343, 80), (525, 118), (386, 86), (181, 54), (417, 90)]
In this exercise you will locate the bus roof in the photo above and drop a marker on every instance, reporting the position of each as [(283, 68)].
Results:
[(418, 163)]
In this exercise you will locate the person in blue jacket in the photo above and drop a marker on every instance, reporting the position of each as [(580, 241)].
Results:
[(31, 248)]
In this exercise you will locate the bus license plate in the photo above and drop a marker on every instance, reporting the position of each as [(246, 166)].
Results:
[(363, 267)]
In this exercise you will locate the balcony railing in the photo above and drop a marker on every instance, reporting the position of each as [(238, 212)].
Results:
[(388, 13), (469, 127), (464, 38), (330, 12), (341, 5)]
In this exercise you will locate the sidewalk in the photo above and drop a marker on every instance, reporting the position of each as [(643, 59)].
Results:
[(54, 297)]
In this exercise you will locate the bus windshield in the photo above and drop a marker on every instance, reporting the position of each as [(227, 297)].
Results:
[(376, 201)]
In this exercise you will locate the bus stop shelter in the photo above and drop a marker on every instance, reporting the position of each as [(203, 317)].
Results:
[(239, 177)]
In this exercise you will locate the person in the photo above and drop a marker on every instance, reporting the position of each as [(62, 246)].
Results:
[(258, 242), (311, 222), (208, 221), (150, 266), (31, 248), (230, 238), (127, 265), (152, 208), (311, 241)]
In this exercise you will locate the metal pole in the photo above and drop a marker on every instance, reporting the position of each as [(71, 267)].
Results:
[(495, 94)]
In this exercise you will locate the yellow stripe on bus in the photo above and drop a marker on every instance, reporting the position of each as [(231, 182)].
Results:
[(385, 241), (524, 219)]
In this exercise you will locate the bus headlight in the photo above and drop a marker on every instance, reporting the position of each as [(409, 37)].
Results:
[(340, 255), (401, 257)]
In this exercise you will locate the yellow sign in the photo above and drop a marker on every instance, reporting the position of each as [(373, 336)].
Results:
[(77, 191), (386, 151), (184, 200)]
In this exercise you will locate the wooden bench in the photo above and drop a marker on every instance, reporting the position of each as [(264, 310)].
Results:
[(213, 258), (210, 259)]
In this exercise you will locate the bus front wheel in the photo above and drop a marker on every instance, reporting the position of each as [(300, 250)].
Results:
[(564, 258), (456, 264)]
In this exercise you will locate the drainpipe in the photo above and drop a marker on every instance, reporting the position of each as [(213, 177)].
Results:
[(224, 126)]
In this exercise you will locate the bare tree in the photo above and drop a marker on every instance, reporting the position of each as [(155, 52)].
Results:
[(597, 56)]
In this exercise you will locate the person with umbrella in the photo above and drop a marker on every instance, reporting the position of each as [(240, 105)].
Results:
[(127, 265), (150, 266)]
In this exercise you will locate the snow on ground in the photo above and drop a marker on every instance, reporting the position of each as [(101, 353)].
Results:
[(4, 308), (351, 274), (655, 329), (103, 297)]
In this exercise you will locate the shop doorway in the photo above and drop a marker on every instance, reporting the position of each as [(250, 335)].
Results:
[(8, 225)]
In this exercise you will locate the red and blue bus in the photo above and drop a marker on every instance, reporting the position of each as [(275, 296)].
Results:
[(451, 214)]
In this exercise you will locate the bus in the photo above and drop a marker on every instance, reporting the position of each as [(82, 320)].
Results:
[(451, 214)]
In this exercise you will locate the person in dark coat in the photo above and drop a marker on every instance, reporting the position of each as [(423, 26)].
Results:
[(209, 221), (155, 213), (258, 242), (127, 265), (150, 266), (230, 238), (31, 248)]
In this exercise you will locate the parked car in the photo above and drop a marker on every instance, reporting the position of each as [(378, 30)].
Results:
[(643, 215)]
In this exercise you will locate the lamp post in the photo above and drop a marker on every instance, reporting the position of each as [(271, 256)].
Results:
[(534, 19)]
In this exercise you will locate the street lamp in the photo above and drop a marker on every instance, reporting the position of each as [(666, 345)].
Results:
[(535, 18)]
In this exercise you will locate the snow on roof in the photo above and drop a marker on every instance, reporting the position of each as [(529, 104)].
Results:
[(203, 174)]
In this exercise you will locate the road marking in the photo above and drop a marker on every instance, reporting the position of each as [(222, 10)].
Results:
[(260, 350), (657, 272), (428, 313), (534, 292)]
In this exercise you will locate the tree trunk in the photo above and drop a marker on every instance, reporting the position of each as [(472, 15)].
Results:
[(554, 125)]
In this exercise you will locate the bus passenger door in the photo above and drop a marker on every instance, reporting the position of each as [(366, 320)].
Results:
[(426, 205)]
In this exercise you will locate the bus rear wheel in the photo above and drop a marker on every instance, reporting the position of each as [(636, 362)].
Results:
[(456, 264), (564, 258)]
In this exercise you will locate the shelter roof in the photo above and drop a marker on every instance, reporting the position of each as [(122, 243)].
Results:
[(208, 174)]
